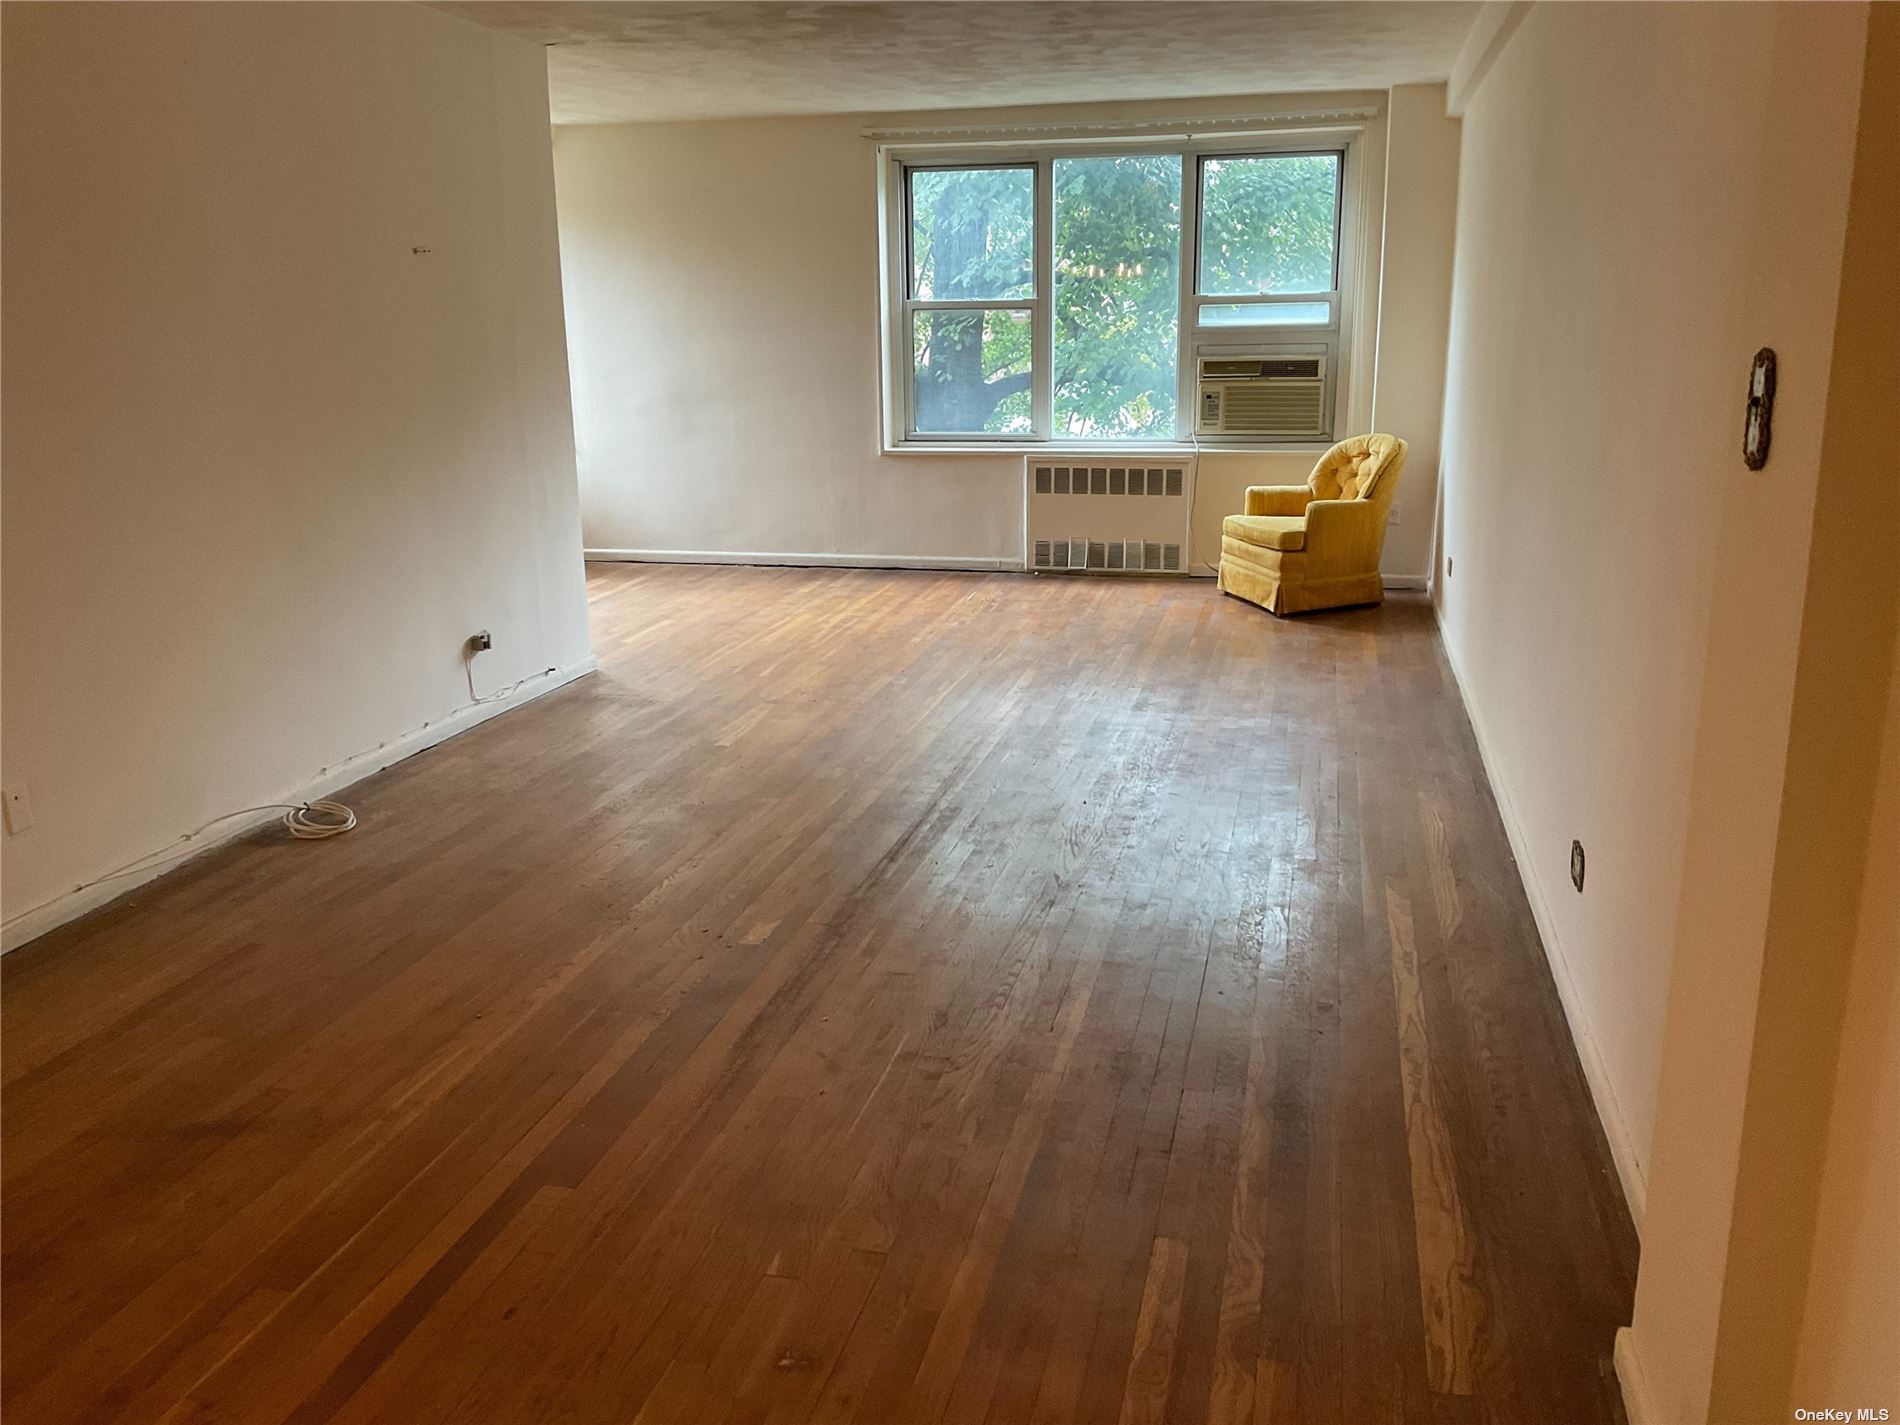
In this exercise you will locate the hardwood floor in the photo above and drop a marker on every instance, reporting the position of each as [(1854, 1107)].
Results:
[(882, 997)]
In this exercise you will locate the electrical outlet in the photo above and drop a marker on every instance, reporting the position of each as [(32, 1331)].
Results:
[(1576, 865), (17, 803), (1392, 517), (480, 642)]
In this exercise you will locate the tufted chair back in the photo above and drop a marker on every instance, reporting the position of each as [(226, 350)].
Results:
[(1356, 468)]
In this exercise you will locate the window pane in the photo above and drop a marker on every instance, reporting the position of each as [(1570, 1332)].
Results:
[(971, 372), (1267, 314), (1268, 224), (1117, 298), (971, 234)]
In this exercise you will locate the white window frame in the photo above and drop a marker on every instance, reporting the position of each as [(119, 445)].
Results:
[(1335, 339), (1041, 403)]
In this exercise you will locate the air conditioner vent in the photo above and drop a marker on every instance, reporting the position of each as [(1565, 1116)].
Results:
[(1272, 406), (1253, 367), (1306, 367), (1215, 369), (1272, 394)]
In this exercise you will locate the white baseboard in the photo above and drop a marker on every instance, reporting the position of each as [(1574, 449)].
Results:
[(1629, 1168), (1638, 1403), (1201, 570), (50, 915), (817, 561), (1390, 581)]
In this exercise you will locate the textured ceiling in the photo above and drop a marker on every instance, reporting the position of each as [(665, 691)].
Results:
[(685, 59)]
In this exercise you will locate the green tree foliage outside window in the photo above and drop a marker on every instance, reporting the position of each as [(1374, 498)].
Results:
[(1118, 294), (1267, 224), (971, 369), (1267, 227), (972, 238)]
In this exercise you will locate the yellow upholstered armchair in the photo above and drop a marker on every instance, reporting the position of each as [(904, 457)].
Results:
[(1317, 545)]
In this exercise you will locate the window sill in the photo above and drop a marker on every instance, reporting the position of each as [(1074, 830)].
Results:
[(1057, 452)]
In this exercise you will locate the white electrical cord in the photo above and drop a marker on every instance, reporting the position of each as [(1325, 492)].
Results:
[(306, 821), (468, 667), (1194, 495), (312, 821)]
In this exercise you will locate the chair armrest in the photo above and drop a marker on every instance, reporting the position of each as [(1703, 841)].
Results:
[(1277, 499), (1346, 536), (1340, 516)]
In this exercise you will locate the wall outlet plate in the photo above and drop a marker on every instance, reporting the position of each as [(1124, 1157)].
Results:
[(1759, 429), (17, 803), (1392, 515)]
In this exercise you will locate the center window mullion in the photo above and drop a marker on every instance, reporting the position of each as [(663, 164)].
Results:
[(1042, 376)]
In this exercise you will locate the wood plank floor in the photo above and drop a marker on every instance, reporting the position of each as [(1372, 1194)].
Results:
[(881, 997)]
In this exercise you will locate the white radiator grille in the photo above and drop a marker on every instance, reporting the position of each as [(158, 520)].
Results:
[(1166, 481), (1140, 556), (1106, 514)]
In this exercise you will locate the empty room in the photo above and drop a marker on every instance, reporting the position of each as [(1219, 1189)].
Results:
[(998, 711)]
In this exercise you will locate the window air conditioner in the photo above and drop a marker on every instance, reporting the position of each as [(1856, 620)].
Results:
[(1264, 394)]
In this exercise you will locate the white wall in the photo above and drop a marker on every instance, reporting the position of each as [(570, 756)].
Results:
[(1421, 202), (265, 466), (688, 437), (1626, 238), (1783, 811), (1850, 1339), (681, 448)]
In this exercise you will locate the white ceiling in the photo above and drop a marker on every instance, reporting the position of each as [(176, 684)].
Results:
[(687, 59)]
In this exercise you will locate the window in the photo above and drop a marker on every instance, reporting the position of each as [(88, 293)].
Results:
[(1118, 296), (1269, 240), (972, 289), (1064, 293)]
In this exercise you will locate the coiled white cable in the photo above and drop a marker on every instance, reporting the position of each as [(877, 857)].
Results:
[(306, 821), (312, 821)]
